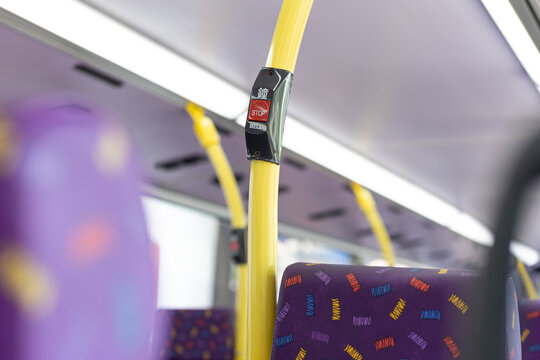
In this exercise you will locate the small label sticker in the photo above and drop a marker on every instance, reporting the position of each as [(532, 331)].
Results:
[(257, 126), (262, 93), (258, 110)]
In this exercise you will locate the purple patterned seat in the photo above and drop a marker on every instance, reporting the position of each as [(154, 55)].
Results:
[(529, 318), (195, 334), (356, 312), (75, 273)]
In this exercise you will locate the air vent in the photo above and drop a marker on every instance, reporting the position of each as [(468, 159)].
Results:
[(396, 237), (223, 131), (439, 254), (347, 187), (363, 232), (411, 244), (283, 189), (295, 164), (395, 209), (181, 162), (99, 75), (239, 178), (327, 214)]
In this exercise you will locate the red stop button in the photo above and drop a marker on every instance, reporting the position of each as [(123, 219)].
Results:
[(234, 246), (258, 110)]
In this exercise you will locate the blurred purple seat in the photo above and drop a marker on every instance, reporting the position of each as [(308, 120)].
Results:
[(195, 334), (357, 312), (75, 273), (529, 318)]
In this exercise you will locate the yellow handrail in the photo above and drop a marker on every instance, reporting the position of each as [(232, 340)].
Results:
[(208, 137), (263, 194), (527, 282), (262, 239), (369, 207), (288, 34)]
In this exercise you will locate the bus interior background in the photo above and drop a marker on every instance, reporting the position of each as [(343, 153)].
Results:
[(430, 91)]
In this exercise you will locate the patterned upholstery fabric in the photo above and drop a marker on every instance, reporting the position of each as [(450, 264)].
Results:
[(513, 349), (75, 273), (529, 317), (355, 312), (195, 334)]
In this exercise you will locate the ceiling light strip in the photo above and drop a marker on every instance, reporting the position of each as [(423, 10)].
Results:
[(97, 33)]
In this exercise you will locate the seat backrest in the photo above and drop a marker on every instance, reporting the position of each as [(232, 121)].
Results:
[(357, 312), (194, 334), (75, 273), (529, 318)]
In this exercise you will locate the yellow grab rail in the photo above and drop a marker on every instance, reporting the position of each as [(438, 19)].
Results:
[(241, 332), (369, 207), (208, 137), (263, 195), (527, 282), (288, 34), (262, 237)]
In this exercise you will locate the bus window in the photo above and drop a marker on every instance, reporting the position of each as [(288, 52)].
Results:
[(187, 250)]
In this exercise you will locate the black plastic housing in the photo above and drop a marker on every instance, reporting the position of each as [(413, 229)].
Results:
[(237, 246), (264, 137)]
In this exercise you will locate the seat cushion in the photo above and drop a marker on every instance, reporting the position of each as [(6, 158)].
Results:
[(529, 316), (75, 272), (357, 312), (194, 334)]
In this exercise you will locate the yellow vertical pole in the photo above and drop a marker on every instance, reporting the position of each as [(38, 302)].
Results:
[(263, 195), (262, 237), (369, 207), (241, 334), (208, 136), (527, 282)]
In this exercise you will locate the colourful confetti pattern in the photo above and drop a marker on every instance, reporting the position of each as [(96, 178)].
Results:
[(355, 312), (195, 334), (75, 275), (529, 318)]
